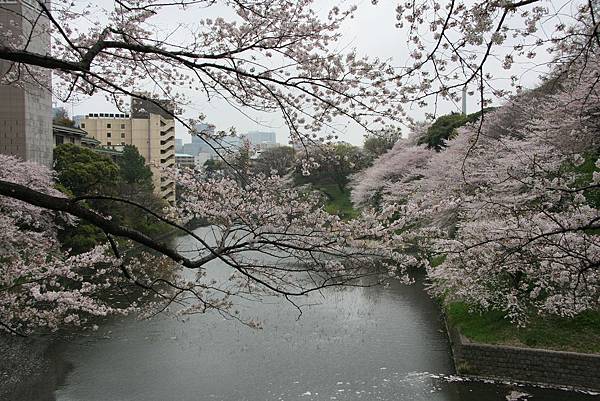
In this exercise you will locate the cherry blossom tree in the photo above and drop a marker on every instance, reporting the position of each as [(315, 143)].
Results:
[(273, 56), (512, 207), (41, 286), (275, 239)]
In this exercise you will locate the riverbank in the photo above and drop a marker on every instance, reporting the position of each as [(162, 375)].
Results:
[(547, 367), (579, 334)]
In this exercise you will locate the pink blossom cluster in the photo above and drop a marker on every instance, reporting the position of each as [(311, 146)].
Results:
[(507, 204), (41, 286)]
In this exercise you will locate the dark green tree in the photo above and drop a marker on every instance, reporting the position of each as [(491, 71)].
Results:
[(81, 171), (377, 144), (337, 162), (275, 160), (84, 172), (133, 169), (213, 165), (444, 128)]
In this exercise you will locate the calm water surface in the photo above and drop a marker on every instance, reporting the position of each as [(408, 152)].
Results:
[(370, 343)]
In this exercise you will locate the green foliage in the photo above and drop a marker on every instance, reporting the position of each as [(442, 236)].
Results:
[(437, 260), (338, 201), (83, 171), (81, 238), (579, 334), (465, 368), (376, 145), (444, 128), (279, 160), (213, 165), (133, 169), (336, 164)]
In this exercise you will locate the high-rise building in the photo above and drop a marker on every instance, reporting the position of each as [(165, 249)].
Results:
[(205, 143), (178, 145), (149, 128), (261, 138), (25, 93)]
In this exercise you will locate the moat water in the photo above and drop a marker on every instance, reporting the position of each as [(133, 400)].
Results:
[(372, 343)]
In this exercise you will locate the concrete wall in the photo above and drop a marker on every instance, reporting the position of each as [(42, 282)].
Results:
[(12, 121), (25, 97), (556, 368)]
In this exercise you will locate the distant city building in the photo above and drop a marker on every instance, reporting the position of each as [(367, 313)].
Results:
[(26, 105), (184, 160), (203, 141), (178, 145), (261, 139), (191, 148), (201, 158), (149, 128)]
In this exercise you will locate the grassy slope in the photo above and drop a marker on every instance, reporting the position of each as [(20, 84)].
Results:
[(580, 334), (338, 201)]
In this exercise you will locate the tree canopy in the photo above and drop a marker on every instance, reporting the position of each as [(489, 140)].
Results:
[(522, 217), (84, 171), (506, 215), (133, 169)]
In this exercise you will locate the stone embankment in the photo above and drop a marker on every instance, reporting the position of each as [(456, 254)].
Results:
[(526, 365)]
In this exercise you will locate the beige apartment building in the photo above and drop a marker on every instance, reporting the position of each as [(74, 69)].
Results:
[(149, 128)]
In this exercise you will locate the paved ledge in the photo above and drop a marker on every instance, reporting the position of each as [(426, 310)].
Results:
[(525, 365)]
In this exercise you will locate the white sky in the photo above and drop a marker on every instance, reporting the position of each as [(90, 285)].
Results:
[(371, 32)]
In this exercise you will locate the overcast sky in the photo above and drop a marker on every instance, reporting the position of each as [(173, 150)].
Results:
[(371, 32)]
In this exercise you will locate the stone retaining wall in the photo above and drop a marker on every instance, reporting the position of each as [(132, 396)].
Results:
[(531, 365)]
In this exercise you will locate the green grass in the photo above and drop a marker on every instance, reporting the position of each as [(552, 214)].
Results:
[(437, 260), (338, 202), (580, 334)]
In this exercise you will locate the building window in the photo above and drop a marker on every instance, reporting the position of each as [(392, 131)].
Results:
[(122, 126), (122, 135), (108, 135), (82, 125), (59, 140), (108, 126), (108, 143), (123, 143), (72, 140)]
